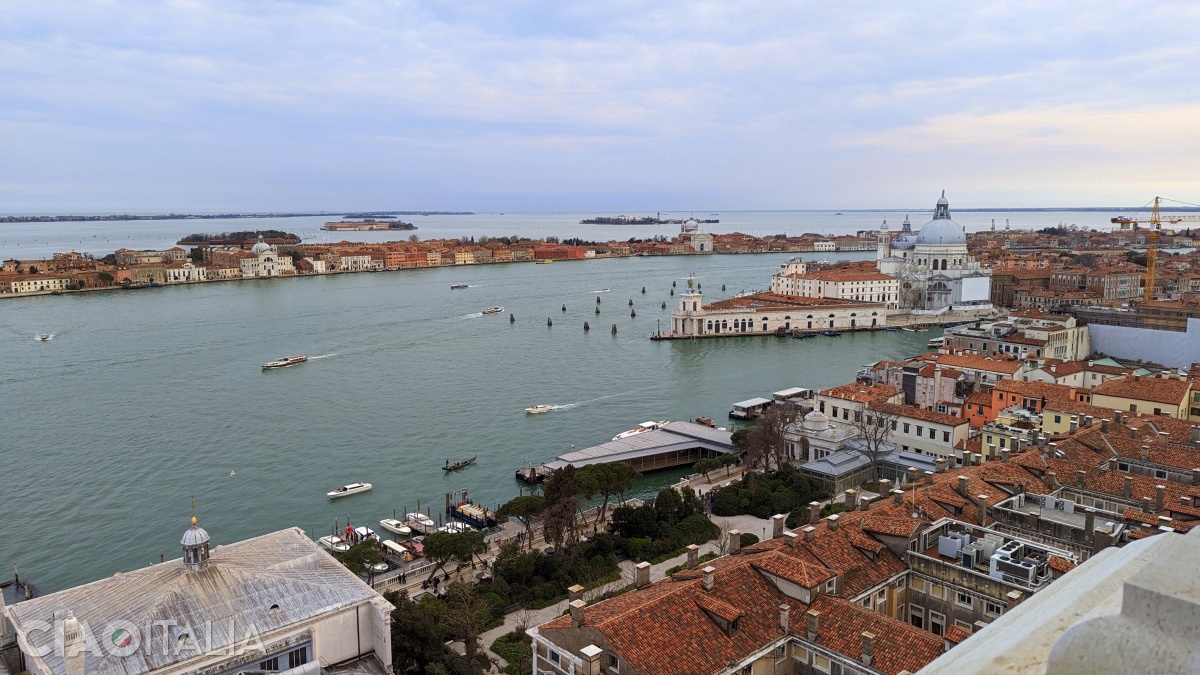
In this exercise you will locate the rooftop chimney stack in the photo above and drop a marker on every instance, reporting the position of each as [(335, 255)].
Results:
[(1080, 477), (962, 485), (813, 618), (709, 572), (777, 522), (735, 541), (865, 502), (574, 593), (982, 502), (1145, 453), (642, 574), (591, 659), (1014, 598), (1160, 494), (810, 533), (814, 511), (783, 618), (577, 613), (693, 556), (1127, 491), (929, 478), (1147, 505), (868, 647), (885, 487), (833, 521), (1089, 522), (1004, 454), (940, 464), (790, 537), (1052, 480), (1104, 425), (898, 496), (852, 500), (912, 474)]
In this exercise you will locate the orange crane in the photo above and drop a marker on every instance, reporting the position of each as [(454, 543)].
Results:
[(1154, 221)]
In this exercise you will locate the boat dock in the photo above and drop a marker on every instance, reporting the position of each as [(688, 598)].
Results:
[(673, 444)]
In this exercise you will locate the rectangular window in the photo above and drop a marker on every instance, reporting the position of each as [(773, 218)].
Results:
[(820, 662), (937, 623), (894, 424), (945, 436), (917, 584), (1058, 419), (297, 657), (932, 433), (906, 427), (835, 411), (916, 616), (963, 599), (963, 625), (992, 608), (1122, 466), (920, 430), (831, 586), (937, 591), (270, 664)]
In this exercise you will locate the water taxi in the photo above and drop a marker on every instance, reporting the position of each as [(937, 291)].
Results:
[(395, 526), (641, 428), (363, 533), (937, 343), (455, 287), (544, 262), (493, 310), (43, 337), (539, 409), (351, 489), (285, 362), (332, 543), (420, 521)]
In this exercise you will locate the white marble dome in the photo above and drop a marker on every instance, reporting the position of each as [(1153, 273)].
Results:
[(816, 421), (942, 232), (261, 247)]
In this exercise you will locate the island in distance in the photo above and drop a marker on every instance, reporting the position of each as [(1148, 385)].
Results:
[(367, 225), (641, 220), (238, 238)]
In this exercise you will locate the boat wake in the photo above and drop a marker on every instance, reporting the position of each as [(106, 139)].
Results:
[(603, 290), (473, 315), (42, 337), (322, 356)]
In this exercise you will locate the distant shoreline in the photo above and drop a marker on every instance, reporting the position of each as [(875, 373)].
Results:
[(219, 216)]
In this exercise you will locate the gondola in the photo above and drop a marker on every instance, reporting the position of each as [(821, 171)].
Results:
[(459, 465)]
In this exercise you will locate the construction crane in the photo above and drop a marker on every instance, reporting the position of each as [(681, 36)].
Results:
[(1154, 222)]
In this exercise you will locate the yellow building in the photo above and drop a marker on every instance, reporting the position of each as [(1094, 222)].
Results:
[(1152, 395)]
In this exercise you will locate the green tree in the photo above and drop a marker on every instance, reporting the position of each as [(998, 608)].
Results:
[(413, 238), (610, 478), (360, 557), (419, 633), (738, 438), (668, 506), (443, 547), (525, 507), (562, 490), (706, 465), (196, 254)]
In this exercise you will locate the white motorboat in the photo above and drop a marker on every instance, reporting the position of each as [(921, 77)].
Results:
[(395, 526), (493, 310), (641, 428), (285, 362), (379, 567), (363, 533), (420, 520), (455, 527), (351, 489), (43, 337), (539, 409), (332, 543)]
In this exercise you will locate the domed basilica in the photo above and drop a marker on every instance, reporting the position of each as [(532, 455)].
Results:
[(932, 264)]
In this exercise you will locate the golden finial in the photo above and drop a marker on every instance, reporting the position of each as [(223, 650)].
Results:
[(193, 521)]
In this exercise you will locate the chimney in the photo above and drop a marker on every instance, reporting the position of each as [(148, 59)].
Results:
[(777, 525), (864, 504), (814, 511), (868, 647), (1052, 450), (1080, 477), (577, 613), (929, 478), (1104, 425), (939, 464), (1052, 480), (709, 571), (1160, 493), (1127, 491), (790, 538), (1041, 441), (1074, 425), (1147, 505), (735, 541), (783, 618), (642, 574), (1004, 454), (1014, 598), (1087, 421), (810, 533), (962, 486), (851, 500), (912, 474), (1145, 453), (574, 593), (1117, 416), (74, 647), (982, 502), (1187, 500), (833, 521), (591, 659), (885, 487), (693, 556), (1089, 522), (813, 617), (1021, 442), (1104, 469), (898, 496), (1101, 539), (1132, 432)]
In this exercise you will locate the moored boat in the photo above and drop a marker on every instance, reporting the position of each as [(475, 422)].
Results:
[(395, 527), (493, 310), (936, 343), (420, 522), (706, 421), (539, 409), (363, 533), (285, 362), (641, 428), (473, 514), (333, 543), (459, 465), (544, 262), (830, 333), (351, 489)]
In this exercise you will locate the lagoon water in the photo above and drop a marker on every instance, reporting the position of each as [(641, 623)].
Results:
[(145, 399)]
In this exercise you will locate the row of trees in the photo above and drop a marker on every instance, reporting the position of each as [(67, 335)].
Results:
[(559, 504)]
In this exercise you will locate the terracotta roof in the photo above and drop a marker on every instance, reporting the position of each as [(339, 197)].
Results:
[(794, 570), (978, 362), (1155, 389), (765, 302), (897, 646), (1036, 389), (918, 414), (956, 634), (857, 392), (1061, 564)]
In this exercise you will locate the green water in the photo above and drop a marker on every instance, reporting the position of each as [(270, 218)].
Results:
[(146, 398)]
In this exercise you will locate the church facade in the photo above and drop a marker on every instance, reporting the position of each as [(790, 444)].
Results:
[(932, 265)]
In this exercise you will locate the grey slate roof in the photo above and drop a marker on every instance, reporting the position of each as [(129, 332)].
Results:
[(221, 605), (673, 436)]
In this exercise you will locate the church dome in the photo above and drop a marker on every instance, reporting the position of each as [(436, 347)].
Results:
[(261, 247), (195, 535), (816, 421), (941, 231)]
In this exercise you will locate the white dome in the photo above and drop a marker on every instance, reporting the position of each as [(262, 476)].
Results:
[(195, 536), (942, 232), (261, 247), (903, 242), (816, 420)]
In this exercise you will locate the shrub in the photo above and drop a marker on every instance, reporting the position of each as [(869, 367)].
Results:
[(748, 539)]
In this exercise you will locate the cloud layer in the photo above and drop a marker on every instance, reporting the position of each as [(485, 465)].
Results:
[(593, 105)]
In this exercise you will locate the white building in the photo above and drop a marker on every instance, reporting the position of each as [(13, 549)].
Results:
[(840, 283), (266, 262), (38, 283), (273, 603), (690, 234), (766, 313), (187, 272), (932, 265)]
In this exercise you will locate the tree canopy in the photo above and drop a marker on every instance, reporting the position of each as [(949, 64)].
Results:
[(610, 478)]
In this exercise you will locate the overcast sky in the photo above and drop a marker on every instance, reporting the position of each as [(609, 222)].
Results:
[(606, 106)]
